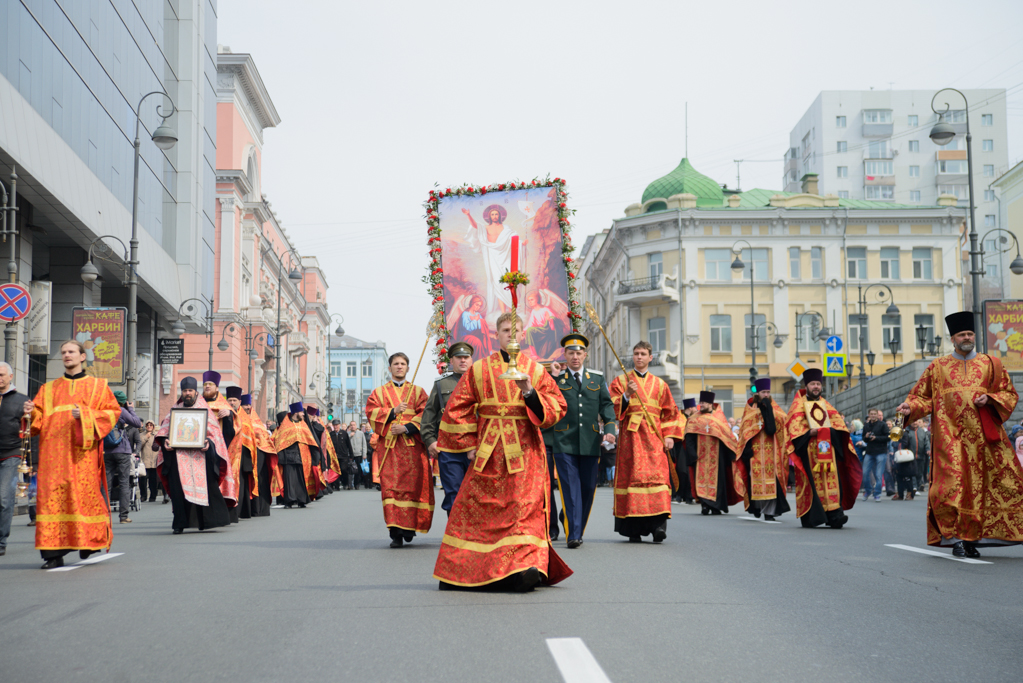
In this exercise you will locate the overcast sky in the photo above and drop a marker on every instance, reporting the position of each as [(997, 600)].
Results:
[(379, 101)]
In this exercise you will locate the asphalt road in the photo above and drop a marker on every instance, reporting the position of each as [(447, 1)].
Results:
[(316, 594)]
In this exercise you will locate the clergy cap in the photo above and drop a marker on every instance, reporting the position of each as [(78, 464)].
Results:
[(211, 376), (246, 399), (575, 341), (959, 322), (688, 403), (813, 375), (763, 384), (312, 410), (295, 408), (188, 383), (233, 392), (706, 397), (460, 349)]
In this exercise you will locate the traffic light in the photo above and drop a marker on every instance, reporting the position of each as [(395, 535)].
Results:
[(330, 412)]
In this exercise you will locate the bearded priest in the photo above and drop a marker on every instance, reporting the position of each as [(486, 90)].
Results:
[(975, 499), (711, 450), (763, 465), (828, 473)]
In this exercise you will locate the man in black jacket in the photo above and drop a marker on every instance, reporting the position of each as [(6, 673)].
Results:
[(343, 448), (11, 409), (875, 457), (917, 439)]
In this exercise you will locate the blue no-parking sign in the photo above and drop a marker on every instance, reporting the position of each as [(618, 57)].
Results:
[(15, 302)]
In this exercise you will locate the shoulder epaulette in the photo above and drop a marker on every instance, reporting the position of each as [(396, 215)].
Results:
[(595, 372), (444, 376)]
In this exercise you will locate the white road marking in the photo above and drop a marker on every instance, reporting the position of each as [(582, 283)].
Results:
[(935, 553), (575, 661), (92, 560), (757, 519)]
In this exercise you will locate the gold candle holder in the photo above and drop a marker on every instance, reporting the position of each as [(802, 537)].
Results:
[(513, 373)]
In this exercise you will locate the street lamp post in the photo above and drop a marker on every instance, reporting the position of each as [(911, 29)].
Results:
[(893, 346), (738, 266), (312, 383), (339, 331), (163, 137), (250, 350), (1016, 267), (884, 293), (821, 336), (10, 231), (178, 327), (942, 133), (295, 276), (921, 338)]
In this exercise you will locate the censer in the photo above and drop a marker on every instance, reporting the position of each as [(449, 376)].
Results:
[(25, 468), (896, 433)]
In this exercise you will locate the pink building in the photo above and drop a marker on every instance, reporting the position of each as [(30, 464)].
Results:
[(269, 305)]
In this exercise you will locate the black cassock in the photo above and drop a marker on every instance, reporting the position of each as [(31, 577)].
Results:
[(817, 515), (188, 515), (725, 460), (779, 505), (290, 461)]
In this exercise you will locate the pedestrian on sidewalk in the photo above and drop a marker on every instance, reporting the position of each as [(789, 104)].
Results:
[(118, 449), (12, 407)]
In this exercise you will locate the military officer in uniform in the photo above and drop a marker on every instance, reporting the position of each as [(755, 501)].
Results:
[(575, 441), (453, 466)]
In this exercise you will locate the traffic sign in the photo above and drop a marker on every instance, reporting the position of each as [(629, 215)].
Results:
[(834, 344), (834, 364), (796, 369), (15, 302)]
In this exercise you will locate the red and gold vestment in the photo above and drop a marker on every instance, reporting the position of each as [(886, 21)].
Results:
[(289, 433), (712, 433), (769, 465)]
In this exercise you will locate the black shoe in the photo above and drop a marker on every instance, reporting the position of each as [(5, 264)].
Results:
[(715, 511), (301, 505), (635, 539), (769, 518), (575, 543), (165, 501), (447, 586), (53, 563), (971, 550), (660, 534), (554, 535), (178, 531), (84, 554), (409, 536), (287, 506), (3, 551), (958, 550), (756, 513), (704, 510), (396, 542), (527, 580)]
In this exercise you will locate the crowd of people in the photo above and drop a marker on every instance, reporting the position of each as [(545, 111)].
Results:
[(498, 437)]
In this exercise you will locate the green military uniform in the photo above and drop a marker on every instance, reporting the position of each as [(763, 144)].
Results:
[(575, 441), (453, 466)]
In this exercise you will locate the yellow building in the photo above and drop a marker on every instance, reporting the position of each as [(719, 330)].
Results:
[(664, 273)]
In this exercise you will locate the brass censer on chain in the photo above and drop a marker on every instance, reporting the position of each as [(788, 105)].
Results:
[(25, 468), (896, 433)]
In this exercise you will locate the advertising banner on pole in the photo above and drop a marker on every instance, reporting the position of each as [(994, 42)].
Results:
[(39, 317), (102, 331), (1003, 330)]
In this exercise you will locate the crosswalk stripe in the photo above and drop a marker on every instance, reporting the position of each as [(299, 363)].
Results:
[(935, 553), (575, 661), (92, 560)]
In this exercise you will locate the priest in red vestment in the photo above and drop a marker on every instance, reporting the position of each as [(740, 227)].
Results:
[(976, 494), (711, 451), (827, 472), (395, 412), (242, 451), (763, 464), (71, 415), (199, 481), (497, 536), (297, 450), (643, 468), (266, 471)]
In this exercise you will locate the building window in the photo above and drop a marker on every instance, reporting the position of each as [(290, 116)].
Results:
[(889, 263), (365, 397), (721, 333), (879, 191), (816, 264), (367, 369), (761, 333), (843, 194), (876, 168), (842, 146), (914, 196), (656, 334), (855, 330), (335, 368), (913, 120), (914, 145), (914, 171), (956, 116), (718, 264), (987, 120), (723, 397), (987, 146), (879, 149), (351, 369), (989, 170), (927, 320), (877, 116), (989, 195), (856, 263), (807, 326), (891, 329), (794, 263), (989, 220), (843, 171), (921, 263), (960, 192), (759, 260), (655, 264), (839, 122), (991, 271), (952, 166)]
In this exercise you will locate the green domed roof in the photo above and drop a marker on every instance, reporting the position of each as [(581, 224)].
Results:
[(685, 179)]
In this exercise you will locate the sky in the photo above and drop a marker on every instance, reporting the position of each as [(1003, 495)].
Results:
[(381, 101)]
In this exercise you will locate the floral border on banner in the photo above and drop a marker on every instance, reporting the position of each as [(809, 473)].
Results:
[(434, 279)]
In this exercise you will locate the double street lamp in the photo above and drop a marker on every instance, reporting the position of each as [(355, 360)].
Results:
[(821, 336), (884, 293), (295, 276), (188, 308), (738, 266)]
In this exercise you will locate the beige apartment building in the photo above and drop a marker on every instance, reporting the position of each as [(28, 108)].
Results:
[(664, 273)]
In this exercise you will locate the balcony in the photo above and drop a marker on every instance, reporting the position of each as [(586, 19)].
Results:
[(877, 130), (880, 154), (298, 343), (659, 289), (664, 364)]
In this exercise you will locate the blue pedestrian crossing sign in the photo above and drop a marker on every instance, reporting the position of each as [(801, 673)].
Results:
[(834, 344), (834, 364)]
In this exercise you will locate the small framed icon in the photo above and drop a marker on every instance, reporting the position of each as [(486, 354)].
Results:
[(188, 428)]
